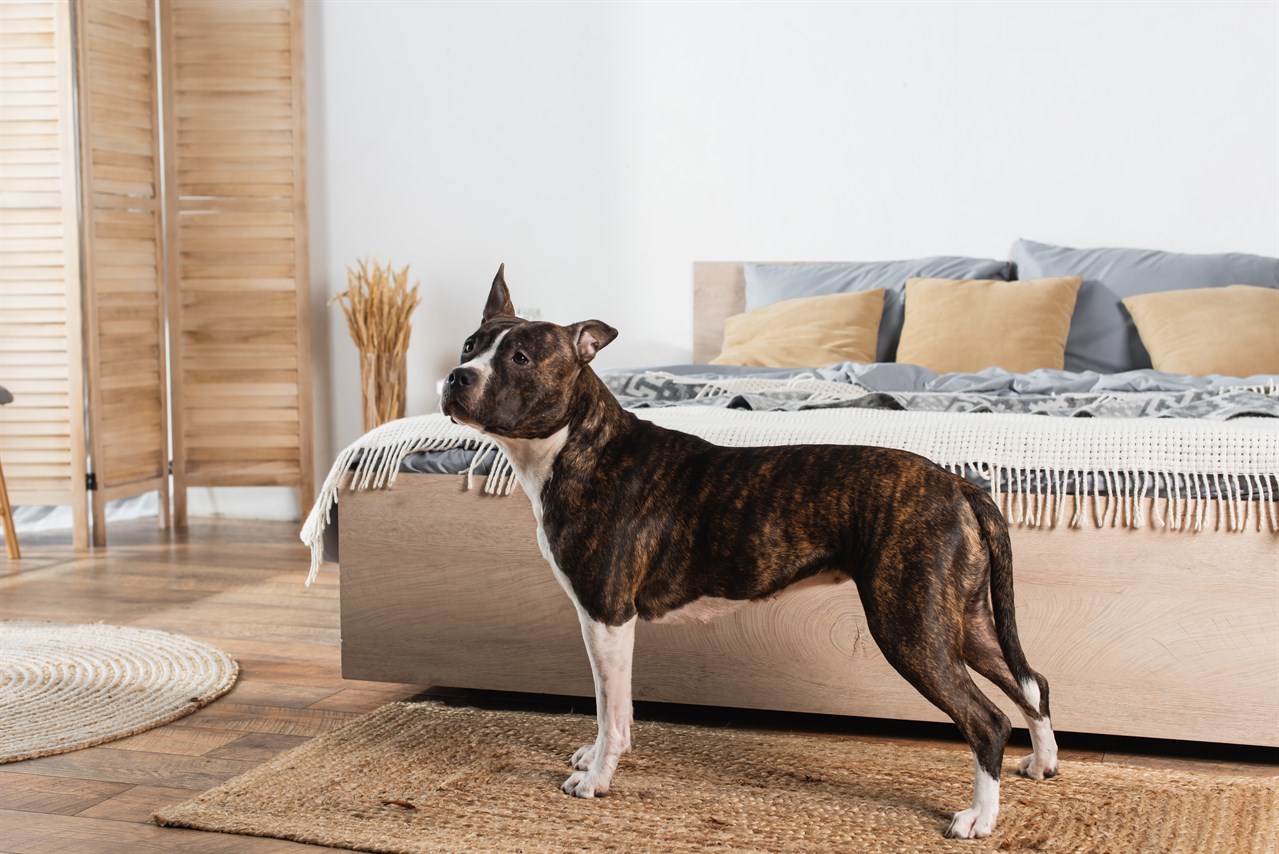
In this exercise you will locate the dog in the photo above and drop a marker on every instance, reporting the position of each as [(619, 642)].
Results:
[(639, 522)]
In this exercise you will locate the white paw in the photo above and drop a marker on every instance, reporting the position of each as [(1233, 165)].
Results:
[(583, 785), (1037, 768), (970, 824), (583, 758)]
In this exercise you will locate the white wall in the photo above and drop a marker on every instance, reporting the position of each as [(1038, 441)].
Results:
[(599, 149)]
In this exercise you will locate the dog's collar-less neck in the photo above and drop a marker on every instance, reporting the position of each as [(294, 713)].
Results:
[(533, 460), (594, 412)]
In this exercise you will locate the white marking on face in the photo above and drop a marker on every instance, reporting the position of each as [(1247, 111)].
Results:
[(979, 819), (482, 363)]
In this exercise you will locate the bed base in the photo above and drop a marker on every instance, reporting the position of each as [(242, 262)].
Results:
[(1148, 632)]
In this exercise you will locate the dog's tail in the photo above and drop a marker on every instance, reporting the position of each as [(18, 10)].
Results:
[(994, 531)]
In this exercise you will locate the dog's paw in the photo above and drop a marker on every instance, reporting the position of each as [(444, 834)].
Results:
[(583, 758), (583, 785), (970, 824), (1037, 768)]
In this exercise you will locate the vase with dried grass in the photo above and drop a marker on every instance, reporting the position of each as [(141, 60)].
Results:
[(378, 304)]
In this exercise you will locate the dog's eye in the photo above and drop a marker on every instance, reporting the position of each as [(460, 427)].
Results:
[(520, 359), (469, 345)]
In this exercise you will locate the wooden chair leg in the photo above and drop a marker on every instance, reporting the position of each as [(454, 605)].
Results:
[(98, 500), (6, 515)]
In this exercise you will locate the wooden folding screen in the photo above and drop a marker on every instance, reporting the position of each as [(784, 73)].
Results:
[(216, 252), (123, 256), (235, 137), (42, 433)]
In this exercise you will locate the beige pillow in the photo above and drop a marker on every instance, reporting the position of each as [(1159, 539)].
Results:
[(805, 332), (1232, 330), (965, 325)]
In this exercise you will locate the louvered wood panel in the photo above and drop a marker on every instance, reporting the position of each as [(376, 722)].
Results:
[(42, 438), (123, 257), (237, 236)]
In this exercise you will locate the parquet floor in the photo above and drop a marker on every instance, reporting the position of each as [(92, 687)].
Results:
[(238, 585)]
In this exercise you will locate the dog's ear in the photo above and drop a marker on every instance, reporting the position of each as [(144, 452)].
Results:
[(499, 302), (591, 336)]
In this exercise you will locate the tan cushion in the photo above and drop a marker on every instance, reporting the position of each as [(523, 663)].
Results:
[(1232, 330), (964, 325), (805, 332)]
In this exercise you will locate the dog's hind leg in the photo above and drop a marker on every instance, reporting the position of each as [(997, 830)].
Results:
[(994, 649), (931, 663), (982, 652), (1042, 761), (986, 729)]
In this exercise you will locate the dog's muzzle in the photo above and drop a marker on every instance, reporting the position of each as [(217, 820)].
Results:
[(460, 378), (459, 386)]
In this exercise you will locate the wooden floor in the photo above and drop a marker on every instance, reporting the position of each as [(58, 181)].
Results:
[(239, 585)]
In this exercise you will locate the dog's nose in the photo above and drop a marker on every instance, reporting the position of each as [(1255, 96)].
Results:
[(461, 378)]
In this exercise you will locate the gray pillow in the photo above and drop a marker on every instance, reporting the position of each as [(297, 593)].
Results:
[(1102, 335), (770, 283)]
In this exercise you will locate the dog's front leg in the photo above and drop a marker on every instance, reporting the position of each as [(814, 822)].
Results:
[(610, 649)]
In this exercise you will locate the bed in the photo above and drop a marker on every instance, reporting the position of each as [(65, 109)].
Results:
[(1145, 623)]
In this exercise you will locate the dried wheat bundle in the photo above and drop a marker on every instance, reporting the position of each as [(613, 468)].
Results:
[(378, 304)]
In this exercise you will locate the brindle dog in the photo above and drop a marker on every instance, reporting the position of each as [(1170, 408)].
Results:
[(641, 522)]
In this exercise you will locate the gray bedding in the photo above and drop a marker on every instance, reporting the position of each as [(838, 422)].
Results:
[(1144, 393), (1137, 394)]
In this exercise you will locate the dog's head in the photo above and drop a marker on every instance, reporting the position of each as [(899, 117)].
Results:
[(516, 376)]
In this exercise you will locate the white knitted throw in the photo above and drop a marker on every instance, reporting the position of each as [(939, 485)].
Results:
[(1198, 472)]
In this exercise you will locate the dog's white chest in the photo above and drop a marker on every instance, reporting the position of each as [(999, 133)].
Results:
[(533, 460)]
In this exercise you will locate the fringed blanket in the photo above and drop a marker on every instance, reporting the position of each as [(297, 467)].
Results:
[(1043, 471)]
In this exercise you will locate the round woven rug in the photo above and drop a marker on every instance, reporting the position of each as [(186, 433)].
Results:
[(63, 687)]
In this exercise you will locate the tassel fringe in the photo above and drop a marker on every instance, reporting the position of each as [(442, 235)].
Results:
[(1192, 493), (1169, 500)]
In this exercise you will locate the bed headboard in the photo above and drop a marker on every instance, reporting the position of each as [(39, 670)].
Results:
[(719, 291)]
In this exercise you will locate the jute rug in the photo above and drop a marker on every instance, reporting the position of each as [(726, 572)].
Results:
[(63, 687), (417, 777)]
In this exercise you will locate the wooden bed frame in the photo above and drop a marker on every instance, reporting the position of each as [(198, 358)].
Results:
[(1145, 632)]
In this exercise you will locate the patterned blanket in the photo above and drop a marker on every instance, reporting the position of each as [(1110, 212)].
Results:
[(649, 389), (1181, 458)]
